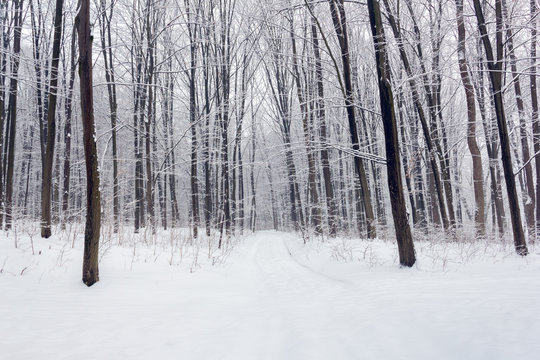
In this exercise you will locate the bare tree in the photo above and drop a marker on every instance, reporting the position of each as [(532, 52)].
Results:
[(105, 20), (478, 177), (300, 91), (534, 105), (337, 10), (393, 163), (495, 75), (51, 125), (93, 197), (11, 127), (193, 31), (431, 145)]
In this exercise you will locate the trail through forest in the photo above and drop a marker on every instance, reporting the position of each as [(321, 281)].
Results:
[(273, 298)]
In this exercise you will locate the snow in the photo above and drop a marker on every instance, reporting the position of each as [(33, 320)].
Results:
[(266, 296)]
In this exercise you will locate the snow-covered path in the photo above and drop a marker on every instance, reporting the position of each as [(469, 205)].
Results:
[(264, 304)]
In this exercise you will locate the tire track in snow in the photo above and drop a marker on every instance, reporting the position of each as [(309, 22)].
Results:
[(298, 305)]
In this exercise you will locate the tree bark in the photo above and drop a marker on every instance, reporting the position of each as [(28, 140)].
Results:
[(12, 110), (395, 186), (93, 200), (495, 69), (492, 147), (321, 117), (68, 109), (192, 27), (51, 125), (205, 49), (478, 177), (534, 105), (526, 181), (315, 209), (3, 76), (150, 24)]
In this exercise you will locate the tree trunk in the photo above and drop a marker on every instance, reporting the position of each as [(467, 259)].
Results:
[(478, 177), (206, 146), (406, 163), (194, 180), (321, 117), (395, 186), (238, 147), (93, 204), (12, 110), (3, 76), (315, 209), (51, 125), (136, 70), (68, 109), (253, 211), (492, 151), (534, 117), (495, 69), (527, 182)]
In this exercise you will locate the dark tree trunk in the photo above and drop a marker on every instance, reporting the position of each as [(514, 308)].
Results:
[(241, 191), (395, 186), (342, 190), (149, 123), (51, 126), (495, 69), (12, 111), (526, 181), (237, 153), (194, 180), (93, 205), (56, 203), (148, 155), (67, 132), (478, 177), (136, 70), (225, 156), (3, 76), (206, 155), (225, 77), (433, 195), (169, 141), (29, 171), (534, 105), (148, 148), (38, 30)]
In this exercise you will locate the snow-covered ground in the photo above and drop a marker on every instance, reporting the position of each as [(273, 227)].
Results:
[(265, 297)]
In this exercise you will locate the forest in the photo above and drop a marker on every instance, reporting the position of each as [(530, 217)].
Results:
[(316, 142)]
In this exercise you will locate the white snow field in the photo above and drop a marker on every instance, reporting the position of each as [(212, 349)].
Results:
[(266, 297)]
